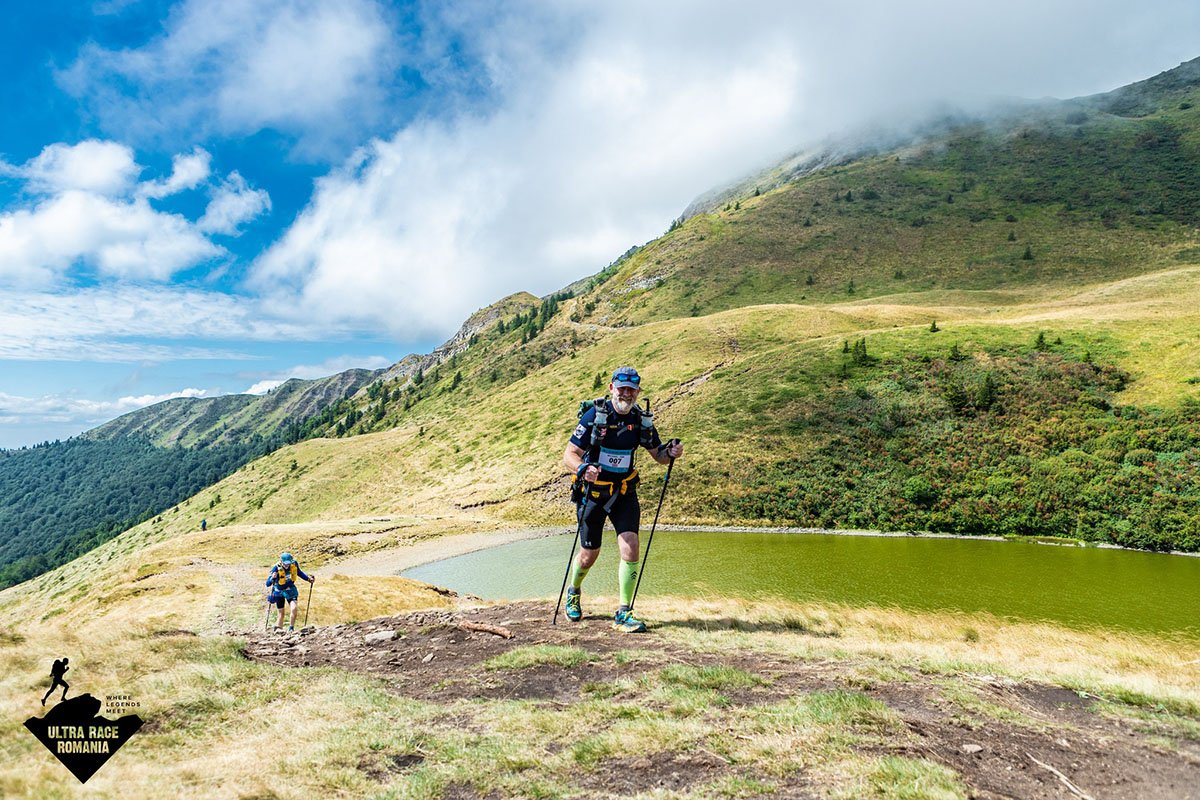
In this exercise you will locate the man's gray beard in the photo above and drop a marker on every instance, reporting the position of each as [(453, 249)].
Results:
[(622, 406)]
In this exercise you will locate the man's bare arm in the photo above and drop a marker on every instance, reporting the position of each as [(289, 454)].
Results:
[(573, 457)]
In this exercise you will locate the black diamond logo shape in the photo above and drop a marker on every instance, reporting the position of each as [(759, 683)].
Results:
[(79, 737)]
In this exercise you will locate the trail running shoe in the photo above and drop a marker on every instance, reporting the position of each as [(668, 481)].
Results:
[(625, 621), (574, 609)]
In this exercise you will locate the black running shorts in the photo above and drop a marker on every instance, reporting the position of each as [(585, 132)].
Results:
[(626, 514)]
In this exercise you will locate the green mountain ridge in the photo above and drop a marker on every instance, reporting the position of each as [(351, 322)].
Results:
[(203, 421)]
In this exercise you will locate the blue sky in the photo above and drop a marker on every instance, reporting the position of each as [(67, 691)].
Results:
[(210, 196)]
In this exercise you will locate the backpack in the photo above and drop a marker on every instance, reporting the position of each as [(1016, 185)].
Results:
[(600, 426), (645, 422), (280, 569)]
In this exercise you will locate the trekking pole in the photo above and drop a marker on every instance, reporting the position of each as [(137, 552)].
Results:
[(308, 604), (650, 541), (570, 558), (267, 621)]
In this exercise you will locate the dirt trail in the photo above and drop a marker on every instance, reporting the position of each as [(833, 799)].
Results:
[(435, 658)]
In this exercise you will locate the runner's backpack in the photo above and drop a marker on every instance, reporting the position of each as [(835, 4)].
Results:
[(601, 426)]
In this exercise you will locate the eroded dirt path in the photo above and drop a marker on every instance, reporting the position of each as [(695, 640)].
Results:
[(1006, 738)]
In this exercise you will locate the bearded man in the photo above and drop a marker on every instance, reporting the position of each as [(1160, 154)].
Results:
[(604, 466)]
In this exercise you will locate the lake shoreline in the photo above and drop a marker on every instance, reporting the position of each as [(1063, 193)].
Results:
[(399, 559), (396, 560)]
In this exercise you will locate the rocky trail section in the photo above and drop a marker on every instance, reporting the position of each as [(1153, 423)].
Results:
[(1011, 740)]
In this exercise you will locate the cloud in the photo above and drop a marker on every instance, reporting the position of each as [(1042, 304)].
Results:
[(119, 239), (133, 324), (234, 67), (70, 407), (89, 213), (98, 167), (262, 387), (602, 121), (233, 203), (187, 172), (331, 366)]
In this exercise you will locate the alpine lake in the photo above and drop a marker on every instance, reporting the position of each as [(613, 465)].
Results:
[(1081, 587)]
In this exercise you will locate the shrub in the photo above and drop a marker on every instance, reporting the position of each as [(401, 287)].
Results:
[(1139, 456), (919, 491)]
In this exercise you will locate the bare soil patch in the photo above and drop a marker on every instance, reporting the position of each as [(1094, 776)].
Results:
[(994, 738)]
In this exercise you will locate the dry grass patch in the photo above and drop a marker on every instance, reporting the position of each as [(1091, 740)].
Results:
[(1120, 663), (338, 598)]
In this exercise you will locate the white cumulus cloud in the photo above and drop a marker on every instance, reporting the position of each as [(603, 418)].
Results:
[(71, 407), (116, 237), (233, 203), (187, 172), (99, 167), (305, 67), (86, 211), (602, 121)]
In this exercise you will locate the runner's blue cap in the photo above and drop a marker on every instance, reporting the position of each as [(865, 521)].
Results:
[(286, 558), (626, 376)]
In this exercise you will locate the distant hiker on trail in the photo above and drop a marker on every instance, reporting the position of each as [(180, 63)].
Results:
[(203, 524), (57, 670), (606, 470), (282, 580)]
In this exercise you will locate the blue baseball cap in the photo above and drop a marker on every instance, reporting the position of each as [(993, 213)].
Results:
[(626, 376), (286, 558)]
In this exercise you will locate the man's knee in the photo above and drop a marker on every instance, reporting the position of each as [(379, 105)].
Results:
[(588, 556), (628, 544)]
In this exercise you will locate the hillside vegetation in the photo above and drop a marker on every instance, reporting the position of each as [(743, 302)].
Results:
[(62, 499), (786, 333)]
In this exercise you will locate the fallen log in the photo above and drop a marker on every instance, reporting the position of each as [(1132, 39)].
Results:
[(495, 630)]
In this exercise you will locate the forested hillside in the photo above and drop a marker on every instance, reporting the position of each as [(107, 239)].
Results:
[(61, 499)]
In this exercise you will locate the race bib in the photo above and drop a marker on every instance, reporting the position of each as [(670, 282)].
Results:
[(615, 460)]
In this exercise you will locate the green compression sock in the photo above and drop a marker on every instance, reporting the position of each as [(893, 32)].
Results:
[(577, 574), (628, 578)]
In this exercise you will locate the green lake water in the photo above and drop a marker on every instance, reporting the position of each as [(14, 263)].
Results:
[(1078, 586)]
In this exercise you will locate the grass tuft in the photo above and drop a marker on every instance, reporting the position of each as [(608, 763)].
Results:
[(717, 677), (897, 778), (536, 654)]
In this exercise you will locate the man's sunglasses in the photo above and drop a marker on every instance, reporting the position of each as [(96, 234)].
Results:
[(627, 377)]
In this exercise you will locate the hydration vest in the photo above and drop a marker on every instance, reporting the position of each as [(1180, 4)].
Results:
[(601, 425), (283, 574), (645, 423)]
